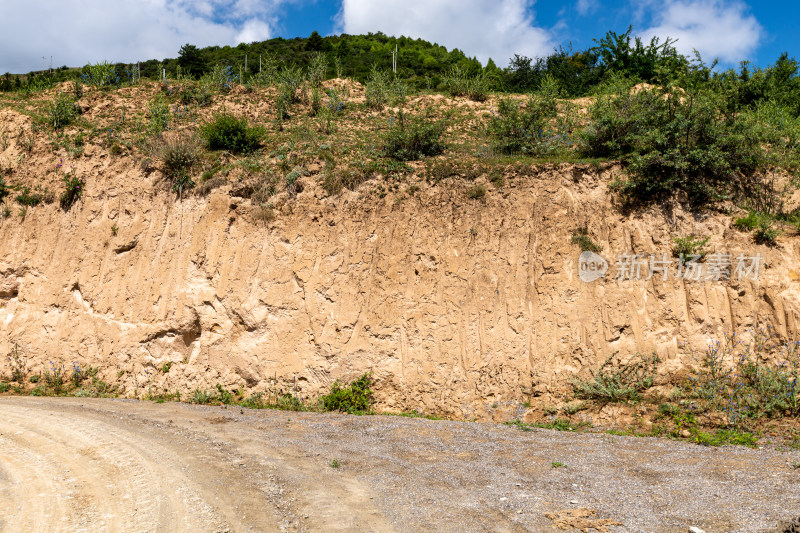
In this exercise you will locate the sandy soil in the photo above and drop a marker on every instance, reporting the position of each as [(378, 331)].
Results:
[(120, 465)]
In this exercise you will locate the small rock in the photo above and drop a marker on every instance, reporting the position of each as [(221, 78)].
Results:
[(503, 499), (695, 530), (574, 502), (685, 434)]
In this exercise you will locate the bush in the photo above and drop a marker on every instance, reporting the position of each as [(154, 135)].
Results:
[(355, 397), (226, 132), (530, 128), (179, 154), (673, 140), (618, 382), (377, 89), (413, 138), (160, 115), (63, 111), (101, 74), (733, 377), (689, 246), (459, 83)]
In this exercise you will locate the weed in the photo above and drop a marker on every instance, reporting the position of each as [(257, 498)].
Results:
[(580, 236), (476, 192), (263, 213), (114, 229), (4, 387), (334, 464), (618, 381), (18, 363), (166, 367), (355, 397), (28, 198), (557, 464), (73, 190)]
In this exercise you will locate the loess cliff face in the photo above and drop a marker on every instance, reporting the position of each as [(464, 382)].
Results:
[(458, 306)]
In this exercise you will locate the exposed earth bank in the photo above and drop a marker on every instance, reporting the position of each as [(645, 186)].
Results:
[(469, 308)]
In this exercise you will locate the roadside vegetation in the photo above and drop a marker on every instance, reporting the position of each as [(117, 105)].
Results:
[(265, 119)]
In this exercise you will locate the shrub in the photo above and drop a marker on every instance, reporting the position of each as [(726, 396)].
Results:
[(180, 154), (73, 189), (222, 78), (530, 128), (580, 236), (355, 397), (226, 132), (101, 74), (160, 115), (63, 111), (377, 89), (673, 140), (317, 69), (618, 382), (413, 138), (459, 83), (765, 233)]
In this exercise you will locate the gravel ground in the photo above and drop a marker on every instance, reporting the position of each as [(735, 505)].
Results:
[(69, 464)]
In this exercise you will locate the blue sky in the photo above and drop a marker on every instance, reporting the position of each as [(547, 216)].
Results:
[(75, 32)]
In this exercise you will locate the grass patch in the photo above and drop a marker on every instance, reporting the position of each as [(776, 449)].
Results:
[(581, 237)]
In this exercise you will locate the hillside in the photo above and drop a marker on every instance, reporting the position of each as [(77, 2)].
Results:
[(335, 246)]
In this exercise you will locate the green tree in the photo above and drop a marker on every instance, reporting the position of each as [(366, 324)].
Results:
[(191, 59)]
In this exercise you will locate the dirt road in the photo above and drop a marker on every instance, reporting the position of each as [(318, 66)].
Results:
[(118, 465)]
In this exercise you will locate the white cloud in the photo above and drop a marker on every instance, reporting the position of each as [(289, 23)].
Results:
[(481, 28), (585, 7), (715, 28), (76, 32)]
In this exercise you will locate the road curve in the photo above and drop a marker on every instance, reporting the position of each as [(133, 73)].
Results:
[(71, 464)]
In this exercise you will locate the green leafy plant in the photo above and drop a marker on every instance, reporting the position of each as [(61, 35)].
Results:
[(558, 464), (160, 115), (62, 111), (690, 246), (227, 132), (335, 464), (413, 138), (355, 397), (528, 128), (617, 381)]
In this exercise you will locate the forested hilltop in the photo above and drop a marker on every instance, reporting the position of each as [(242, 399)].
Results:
[(423, 65)]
